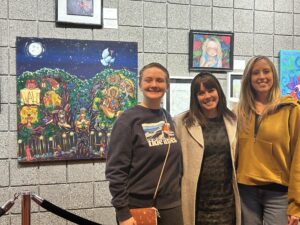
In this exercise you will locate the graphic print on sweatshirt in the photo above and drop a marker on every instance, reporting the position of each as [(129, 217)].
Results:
[(158, 133)]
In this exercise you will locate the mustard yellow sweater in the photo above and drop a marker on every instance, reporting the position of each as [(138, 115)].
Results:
[(272, 155)]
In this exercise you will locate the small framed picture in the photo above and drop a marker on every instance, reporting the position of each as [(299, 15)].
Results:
[(81, 12), (234, 86), (211, 51)]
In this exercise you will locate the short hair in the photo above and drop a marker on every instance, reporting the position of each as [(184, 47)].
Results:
[(155, 65)]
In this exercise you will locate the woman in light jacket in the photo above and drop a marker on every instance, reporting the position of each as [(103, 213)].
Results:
[(207, 132)]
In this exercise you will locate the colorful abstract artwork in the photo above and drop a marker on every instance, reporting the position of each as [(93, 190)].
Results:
[(211, 51), (290, 72), (69, 93)]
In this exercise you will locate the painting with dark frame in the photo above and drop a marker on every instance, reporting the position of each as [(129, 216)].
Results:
[(79, 12), (69, 93), (211, 51)]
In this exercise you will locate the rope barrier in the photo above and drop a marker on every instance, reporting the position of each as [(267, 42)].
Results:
[(7, 205), (61, 212)]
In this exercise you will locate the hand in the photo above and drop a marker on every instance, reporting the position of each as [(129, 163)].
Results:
[(293, 220), (130, 221)]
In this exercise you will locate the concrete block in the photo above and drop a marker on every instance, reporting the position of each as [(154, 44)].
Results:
[(18, 206), (4, 60), (155, 14), (282, 42), (12, 61), (12, 145), (53, 173), (12, 89), (152, 57), (5, 220), (296, 24), (244, 4), (4, 32), (284, 5), (178, 41), (34, 219), (201, 18), (263, 44), (155, 40), (22, 29), (283, 23), (79, 33), (106, 34), (4, 145), (4, 117), (58, 194), (178, 16), (45, 217), (132, 34), (201, 2), (4, 175), (177, 64), (296, 6), (243, 44), (12, 117), (46, 10), (99, 168), (23, 174), (140, 61), (105, 216), (4, 89), (80, 172), (4, 9), (243, 20), (266, 5), (223, 3), (130, 12), (153, 0), (81, 196), (179, 1), (23, 9), (102, 196), (49, 30), (223, 19), (111, 4), (263, 22), (296, 42)]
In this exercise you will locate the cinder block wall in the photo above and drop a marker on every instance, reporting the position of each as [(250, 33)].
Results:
[(161, 29)]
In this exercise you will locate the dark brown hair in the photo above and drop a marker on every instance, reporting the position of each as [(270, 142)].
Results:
[(195, 113)]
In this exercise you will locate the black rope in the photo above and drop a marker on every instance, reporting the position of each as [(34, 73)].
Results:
[(65, 214), (2, 212)]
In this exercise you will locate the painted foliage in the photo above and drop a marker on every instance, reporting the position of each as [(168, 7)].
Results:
[(290, 73), (69, 93)]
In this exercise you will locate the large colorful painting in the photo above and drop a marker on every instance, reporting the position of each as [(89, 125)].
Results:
[(290, 73), (69, 93)]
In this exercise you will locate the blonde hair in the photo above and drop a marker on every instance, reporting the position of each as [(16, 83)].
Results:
[(215, 40), (246, 103)]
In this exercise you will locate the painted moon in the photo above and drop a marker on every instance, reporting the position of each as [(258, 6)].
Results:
[(35, 49)]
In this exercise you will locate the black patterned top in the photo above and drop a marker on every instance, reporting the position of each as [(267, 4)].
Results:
[(215, 198)]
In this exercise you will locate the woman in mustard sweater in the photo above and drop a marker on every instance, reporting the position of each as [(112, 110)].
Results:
[(268, 170)]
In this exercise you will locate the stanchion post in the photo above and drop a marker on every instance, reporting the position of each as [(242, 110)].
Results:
[(26, 208)]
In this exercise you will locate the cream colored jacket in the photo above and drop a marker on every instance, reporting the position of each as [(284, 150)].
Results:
[(192, 152)]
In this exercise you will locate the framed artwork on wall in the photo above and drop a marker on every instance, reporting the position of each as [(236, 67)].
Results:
[(69, 93), (80, 12), (211, 51), (233, 87), (289, 70), (179, 89)]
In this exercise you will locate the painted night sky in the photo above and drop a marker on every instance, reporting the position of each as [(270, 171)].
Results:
[(80, 58)]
